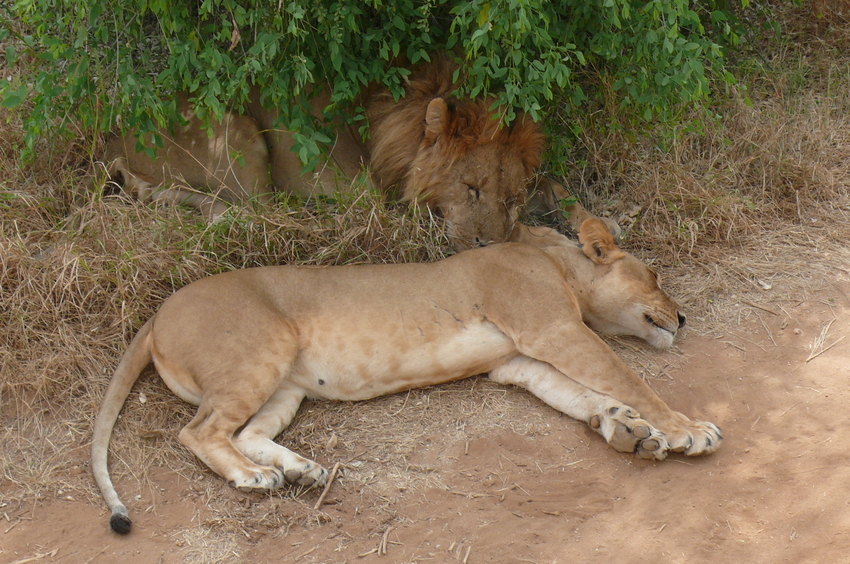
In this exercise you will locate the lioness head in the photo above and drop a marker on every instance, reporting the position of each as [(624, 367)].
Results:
[(473, 172), (618, 294)]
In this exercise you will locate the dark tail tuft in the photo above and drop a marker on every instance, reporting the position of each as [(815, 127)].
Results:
[(120, 523)]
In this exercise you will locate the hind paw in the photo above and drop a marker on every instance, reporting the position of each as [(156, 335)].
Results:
[(625, 431), (308, 474), (266, 478)]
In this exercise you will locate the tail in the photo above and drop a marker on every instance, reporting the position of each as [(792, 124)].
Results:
[(137, 357)]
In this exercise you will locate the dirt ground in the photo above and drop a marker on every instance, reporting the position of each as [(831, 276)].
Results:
[(504, 478)]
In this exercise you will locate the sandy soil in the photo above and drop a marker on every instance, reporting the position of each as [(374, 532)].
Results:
[(476, 490)]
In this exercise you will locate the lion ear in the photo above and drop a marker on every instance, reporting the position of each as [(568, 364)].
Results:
[(598, 242), (528, 141), (436, 119)]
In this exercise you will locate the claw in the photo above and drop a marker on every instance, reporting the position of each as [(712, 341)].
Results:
[(684, 447)]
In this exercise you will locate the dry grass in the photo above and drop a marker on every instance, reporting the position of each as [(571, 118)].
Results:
[(758, 200), (832, 12), (756, 193)]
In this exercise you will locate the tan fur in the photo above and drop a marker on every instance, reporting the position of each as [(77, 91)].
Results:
[(464, 163), (247, 346), (550, 197), (230, 165), (598, 242), (346, 154), (453, 155)]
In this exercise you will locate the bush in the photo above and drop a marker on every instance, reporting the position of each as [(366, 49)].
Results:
[(104, 63)]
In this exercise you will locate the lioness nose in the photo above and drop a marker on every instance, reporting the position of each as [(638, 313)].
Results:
[(681, 320)]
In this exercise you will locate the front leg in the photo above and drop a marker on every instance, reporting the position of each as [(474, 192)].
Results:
[(576, 351), (555, 335), (619, 424)]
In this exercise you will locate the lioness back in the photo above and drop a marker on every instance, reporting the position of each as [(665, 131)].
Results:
[(431, 311)]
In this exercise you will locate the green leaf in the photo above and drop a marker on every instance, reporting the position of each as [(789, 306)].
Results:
[(13, 97), (580, 56), (136, 55), (484, 14), (11, 55)]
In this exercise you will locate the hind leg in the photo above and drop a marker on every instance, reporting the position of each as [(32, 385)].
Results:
[(209, 437), (256, 440), (234, 393), (210, 206)]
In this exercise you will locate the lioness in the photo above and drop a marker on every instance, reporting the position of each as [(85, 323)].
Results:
[(247, 346), (232, 164), (448, 153)]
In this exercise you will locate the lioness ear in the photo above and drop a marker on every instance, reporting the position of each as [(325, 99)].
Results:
[(597, 242), (436, 119)]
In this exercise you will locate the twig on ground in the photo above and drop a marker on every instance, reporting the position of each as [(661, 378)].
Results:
[(382, 548), (817, 354), (38, 556), (751, 304), (303, 554), (817, 345), (731, 344), (766, 330), (327, 486), (470, 495)]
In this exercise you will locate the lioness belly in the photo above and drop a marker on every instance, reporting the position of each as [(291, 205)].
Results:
[(367, 366)]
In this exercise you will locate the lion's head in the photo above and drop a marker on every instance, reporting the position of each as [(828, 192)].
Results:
[(618, 294), (455, 156)]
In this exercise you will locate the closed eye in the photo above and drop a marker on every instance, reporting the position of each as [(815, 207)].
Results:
[(651, 321), (474, 192)]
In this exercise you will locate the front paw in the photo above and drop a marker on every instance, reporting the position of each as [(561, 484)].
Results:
[(696, 438), (625, 431)]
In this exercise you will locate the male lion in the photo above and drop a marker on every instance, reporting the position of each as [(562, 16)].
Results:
[(451, 154), (247, 346)]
